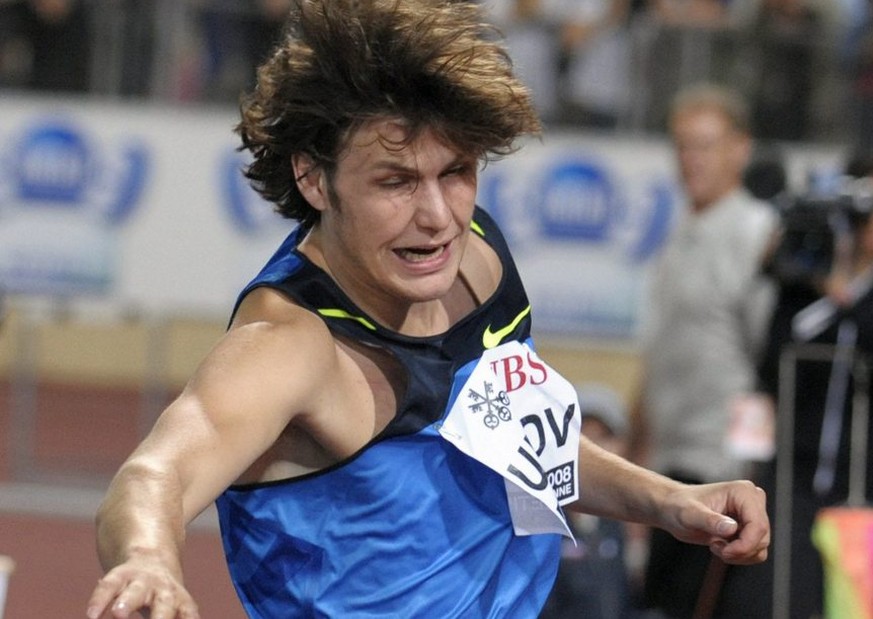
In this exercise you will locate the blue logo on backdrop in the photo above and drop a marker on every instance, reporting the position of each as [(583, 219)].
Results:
[(578, 202), (53, 164), (250, 213), (582, 232), (61, 193), (657, 218)]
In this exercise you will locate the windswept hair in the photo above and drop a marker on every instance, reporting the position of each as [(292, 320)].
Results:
[(435, 64)]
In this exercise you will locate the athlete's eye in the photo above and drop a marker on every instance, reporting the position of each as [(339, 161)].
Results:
[(462, 169), (395, 182)]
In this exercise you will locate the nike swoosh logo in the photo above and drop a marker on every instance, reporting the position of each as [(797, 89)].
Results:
[(490, 338)]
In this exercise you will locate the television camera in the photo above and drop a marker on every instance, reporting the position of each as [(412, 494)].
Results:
[(818, 231)]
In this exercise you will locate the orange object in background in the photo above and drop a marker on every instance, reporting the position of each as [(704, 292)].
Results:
[(844, 537)]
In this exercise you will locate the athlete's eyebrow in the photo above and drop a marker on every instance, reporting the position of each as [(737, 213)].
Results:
[(395, 165)]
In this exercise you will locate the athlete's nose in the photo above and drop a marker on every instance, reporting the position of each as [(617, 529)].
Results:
[(432, 208)]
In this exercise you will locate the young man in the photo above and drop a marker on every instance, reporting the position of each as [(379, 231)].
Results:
[(368, 425)]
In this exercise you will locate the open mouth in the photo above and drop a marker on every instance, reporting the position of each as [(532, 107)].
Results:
[(420, 254)]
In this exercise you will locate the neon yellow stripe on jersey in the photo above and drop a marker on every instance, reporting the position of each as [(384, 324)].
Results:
[(338, 313)]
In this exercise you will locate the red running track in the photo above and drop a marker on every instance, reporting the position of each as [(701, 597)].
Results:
[(83, 434)]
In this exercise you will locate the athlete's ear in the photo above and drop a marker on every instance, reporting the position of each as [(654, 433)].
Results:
[(309, 177)]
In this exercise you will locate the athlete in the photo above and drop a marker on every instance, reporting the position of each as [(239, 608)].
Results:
[(376, 427)]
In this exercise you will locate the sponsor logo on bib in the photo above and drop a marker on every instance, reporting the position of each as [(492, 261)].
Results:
[(519, 417)]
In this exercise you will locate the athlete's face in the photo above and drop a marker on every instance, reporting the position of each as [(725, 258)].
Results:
[(395, 227)]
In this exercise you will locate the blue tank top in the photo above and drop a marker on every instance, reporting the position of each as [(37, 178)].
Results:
[(409, 526)]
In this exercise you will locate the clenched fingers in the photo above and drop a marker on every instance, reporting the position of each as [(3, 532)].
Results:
[(120, 594)]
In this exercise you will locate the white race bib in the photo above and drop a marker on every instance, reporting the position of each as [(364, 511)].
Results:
[(519, 417)]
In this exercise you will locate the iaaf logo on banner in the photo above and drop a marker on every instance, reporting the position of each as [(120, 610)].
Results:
[(519, 417), (63, 195)]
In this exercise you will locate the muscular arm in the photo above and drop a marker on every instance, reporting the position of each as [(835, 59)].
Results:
[(729, 517), (270, 369)]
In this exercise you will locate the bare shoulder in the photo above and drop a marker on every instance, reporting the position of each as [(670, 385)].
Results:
[(273, 359), (276, 322), (276, 363), (315, 398), (267, 306)]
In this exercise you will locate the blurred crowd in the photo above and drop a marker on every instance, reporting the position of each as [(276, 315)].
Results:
[(806, 65)]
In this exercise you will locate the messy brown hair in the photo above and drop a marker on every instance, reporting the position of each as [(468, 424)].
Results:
[(435, 64)]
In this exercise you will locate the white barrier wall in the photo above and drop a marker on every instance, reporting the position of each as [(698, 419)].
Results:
[(133, 206), (139, 206)]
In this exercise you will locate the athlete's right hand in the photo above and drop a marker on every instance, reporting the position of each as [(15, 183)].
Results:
[(141, 585)]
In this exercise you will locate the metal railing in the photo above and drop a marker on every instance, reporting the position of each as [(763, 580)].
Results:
[(784, 492)]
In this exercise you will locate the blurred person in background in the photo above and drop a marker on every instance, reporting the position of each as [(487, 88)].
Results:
[(829, 301), (134, 24), (237, 37), (595, 63), (531, 35), (856, 54), (684, 42), (778, 60), (574, 55), (46, 45), (710, 305), (692, 13)]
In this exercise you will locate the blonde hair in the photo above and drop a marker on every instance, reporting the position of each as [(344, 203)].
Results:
[(709, 96)]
